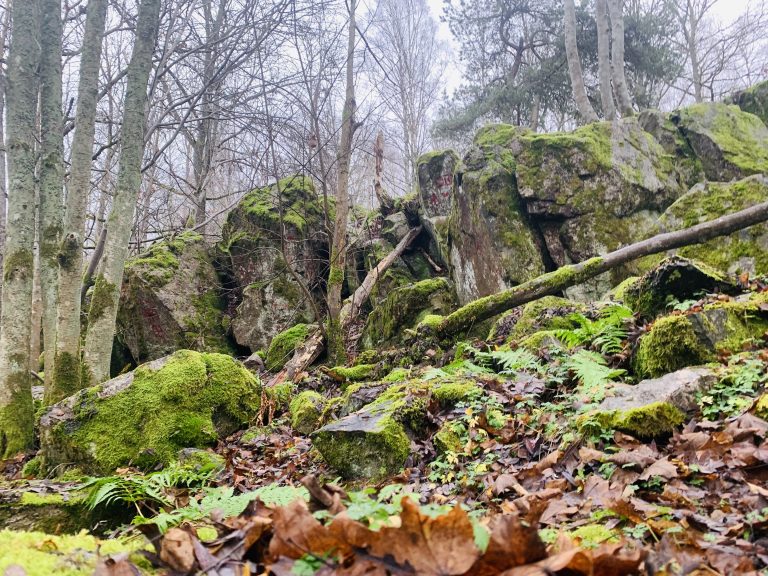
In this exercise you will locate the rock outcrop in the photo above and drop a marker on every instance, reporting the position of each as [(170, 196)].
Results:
[(172, 298), (143, 418), (754, 100)]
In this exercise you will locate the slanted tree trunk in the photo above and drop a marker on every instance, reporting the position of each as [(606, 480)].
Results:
[(335, 343), (16, 412), (102, 315), (616, 10), (67, 370), (567, 276), (604, 58), (51, 177), (584, 106)]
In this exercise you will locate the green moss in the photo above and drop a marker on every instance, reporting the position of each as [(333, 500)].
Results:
[(306, 410), (354, 373), (761, 408), (450, 393), (104, 297), (40, 554), (18, 264), (548, 313), (67, 375), (446, 440), (17, 414), (281, 394), (32, 469), (754, 100), (397, 375), (618, 294), (191, 401), (649, 421), (592, 535), (670, 345), (205, 329), (283, 345), (201, 461), (70, 253), (541, 340), (297, 195)]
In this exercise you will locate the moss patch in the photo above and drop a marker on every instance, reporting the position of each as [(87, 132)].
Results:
[(283, 345), (671, 344), (649, 421), (306, 410)]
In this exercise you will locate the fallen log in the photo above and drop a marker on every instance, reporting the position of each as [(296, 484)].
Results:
[(573, 274)]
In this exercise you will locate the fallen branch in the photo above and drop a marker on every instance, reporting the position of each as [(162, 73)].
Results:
[(314, 345), (567, 276)]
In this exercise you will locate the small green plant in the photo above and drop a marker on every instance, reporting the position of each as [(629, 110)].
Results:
[(605, 334), (510, 361), (593, 374), (734, 393)]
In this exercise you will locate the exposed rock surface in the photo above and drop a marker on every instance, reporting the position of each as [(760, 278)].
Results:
[(742, 251), (143, 418), (267, 298), (754, 100), (172, 298)]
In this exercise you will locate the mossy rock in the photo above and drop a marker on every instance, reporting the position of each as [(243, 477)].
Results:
[(446, 440), (306, 410), (548, 313), (674, 280), (742, 251), (650, 421), (683, 340), (404, 308), (35, 507), (201, 461), (143, 418), (729, 142), (761, 407), (283, 345), (172, 298), (754, 100), (356, 373), (436, 173), (43, 554)]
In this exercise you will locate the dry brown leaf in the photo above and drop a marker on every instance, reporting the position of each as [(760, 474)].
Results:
[(297, 532), (662, 468), (512, 543), (177, 550), (443, 545)]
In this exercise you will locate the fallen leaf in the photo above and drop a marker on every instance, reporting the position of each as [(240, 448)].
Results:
[(177, 550), (512, 543)]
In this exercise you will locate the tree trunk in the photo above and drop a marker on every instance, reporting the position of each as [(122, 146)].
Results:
[(339, 247), (693, 52), (16, 412), (106, 294), (567, 276), (51, 177), (4, 27), (67, 366), (583, 104), (616, 9), (604, 58)]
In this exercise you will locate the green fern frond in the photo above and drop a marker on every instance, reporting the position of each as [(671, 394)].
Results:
[(593, 374)]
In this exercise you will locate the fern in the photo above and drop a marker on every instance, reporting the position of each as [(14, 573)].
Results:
[(593, 374), (516, 360), (605, 334)]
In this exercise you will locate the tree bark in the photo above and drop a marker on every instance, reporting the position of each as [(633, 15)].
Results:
[(102, 315), (616, 10), (16, 411), (604, 58), (339, 246), (67, 367), (567, 276), (4, 28), (51, 177), (584, 106)]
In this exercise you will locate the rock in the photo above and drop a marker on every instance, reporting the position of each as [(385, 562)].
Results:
[(143, 418), (267, 298), (201, 461), (742, 251), (683, 340), (405, 307), (44, 506), (678, 389), (369, 444), (306, 410), (548, 313), (754, 100), (647, 421), (171, 298), (729, 143), (395, 227), (254, 362), (436, 172), (674, 280), (283, 345), (493, 245)]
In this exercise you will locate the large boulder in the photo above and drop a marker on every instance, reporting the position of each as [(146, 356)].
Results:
[(742, 251), (143, 418), (273, 230), (405, 307), (436, 172), (172, 298), (729, 142), (493, 245), (754, 100)]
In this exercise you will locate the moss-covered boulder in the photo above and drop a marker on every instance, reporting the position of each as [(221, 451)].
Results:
[(729, 142), (548, 313), (44, 507), (283, 345), (143, 418), (172, 298), (306, 410), (682, 340), (742, 251), (673, 281), (754, 100), (272, 229), (405, 307), (436, 172)]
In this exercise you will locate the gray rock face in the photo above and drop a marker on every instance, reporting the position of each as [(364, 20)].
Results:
[(676, 388), (436, 183), (754, 100)]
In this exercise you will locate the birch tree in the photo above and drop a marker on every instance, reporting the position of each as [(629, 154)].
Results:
[(616, 11), (67, 369), (586, 111), (16, 412), (604, 58), (106, 294)]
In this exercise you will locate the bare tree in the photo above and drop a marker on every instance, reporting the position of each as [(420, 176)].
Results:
[(604, 58), (586, 111), (16, 412), (616, 10)]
